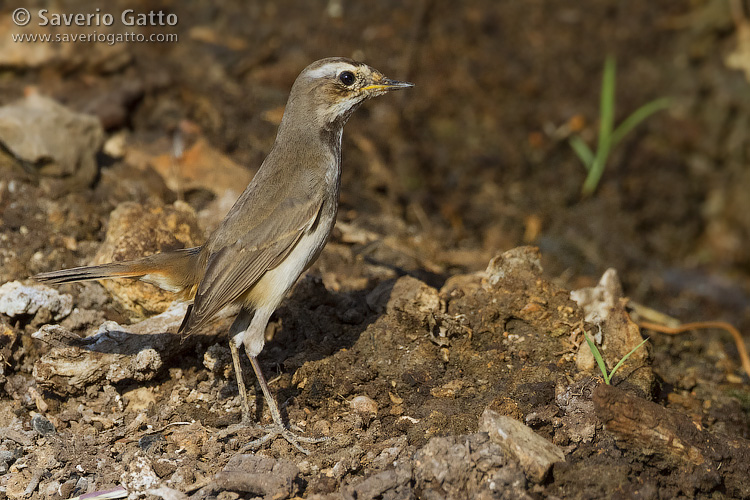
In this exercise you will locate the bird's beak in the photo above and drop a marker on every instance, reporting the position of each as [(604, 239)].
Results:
[(386, 84)]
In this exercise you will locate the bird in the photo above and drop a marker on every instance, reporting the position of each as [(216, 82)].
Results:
[(274, 231)]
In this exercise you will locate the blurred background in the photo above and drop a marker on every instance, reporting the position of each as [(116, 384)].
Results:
[(474, 160)]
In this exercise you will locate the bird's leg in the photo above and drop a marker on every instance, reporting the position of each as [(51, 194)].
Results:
[(241, 323), (249, 331), (275, 413), (247, 419), (277, 428)]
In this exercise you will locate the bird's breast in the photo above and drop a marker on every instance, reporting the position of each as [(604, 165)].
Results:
[(270, 290)]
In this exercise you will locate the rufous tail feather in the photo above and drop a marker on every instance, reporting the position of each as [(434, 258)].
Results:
[(173, 271)]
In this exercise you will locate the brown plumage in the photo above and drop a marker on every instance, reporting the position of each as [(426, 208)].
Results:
[(277, 227)]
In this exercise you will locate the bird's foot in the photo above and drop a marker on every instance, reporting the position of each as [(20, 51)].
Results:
[(274, 430)]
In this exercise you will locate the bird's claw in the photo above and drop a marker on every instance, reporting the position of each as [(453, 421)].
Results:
[(274, 430)]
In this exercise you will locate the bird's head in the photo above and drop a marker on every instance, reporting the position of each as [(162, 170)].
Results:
[(331, 89)]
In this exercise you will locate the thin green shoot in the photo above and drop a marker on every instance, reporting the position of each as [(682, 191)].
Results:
[(600, 360), (609, 135)]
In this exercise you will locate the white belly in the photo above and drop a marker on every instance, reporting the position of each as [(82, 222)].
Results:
[(270, 290)]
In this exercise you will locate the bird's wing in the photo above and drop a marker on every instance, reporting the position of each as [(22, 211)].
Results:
[(232, 269)]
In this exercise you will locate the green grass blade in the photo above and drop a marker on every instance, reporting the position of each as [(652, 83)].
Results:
[(637, 117), (609, 136), (598, 357), (582, 150), (607, 104), (606, 124), (624, 358), (594, 176)]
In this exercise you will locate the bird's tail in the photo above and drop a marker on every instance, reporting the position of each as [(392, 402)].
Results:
[(173, 271)]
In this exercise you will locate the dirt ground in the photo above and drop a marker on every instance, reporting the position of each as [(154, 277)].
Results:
[(427, 319)]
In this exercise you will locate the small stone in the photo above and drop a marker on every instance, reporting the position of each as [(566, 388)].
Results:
[(322, 428), (164, 467), (57, 141), (66, 488), (18, 299), (15, 485), (139, 398), (50, 489), (42, 425), (154, 441), (535, 453), (262, 476), (414, 297), (447, 390), (521, 261), (363, 404), (216, 357), (597, 302)]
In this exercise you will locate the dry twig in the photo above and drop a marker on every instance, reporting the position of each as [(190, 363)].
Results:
[(739, 342)]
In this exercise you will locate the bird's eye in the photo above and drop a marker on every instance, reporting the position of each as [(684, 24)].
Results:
[(347, 78)]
